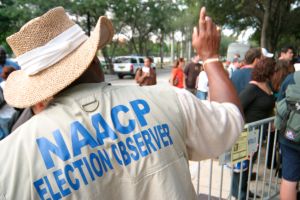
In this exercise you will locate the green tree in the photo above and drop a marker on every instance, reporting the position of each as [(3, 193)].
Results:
[(270, 18), (186, 19), (143, 19), (12, 17), (15, 13)]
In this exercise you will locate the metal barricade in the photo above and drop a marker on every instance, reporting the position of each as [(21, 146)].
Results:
[(261, 173)]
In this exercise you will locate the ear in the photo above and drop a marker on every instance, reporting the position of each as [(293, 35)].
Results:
[(39, 107), (255, 61)]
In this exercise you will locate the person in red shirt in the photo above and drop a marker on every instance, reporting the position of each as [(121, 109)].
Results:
[(177, 75)]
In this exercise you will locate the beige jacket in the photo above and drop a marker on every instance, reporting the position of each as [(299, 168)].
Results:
[(97, 141)]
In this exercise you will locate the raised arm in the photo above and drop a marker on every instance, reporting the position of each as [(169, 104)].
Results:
[(139, 76), (206, 41)]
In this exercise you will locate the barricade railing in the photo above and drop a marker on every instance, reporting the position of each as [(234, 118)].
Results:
[(261, 173)]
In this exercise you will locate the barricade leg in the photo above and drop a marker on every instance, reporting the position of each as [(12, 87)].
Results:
[(266, 160), (198, 179), (210, 178), (272, 163), (221, 182)]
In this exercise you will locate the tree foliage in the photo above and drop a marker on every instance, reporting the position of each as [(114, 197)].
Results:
[(142, 19), (272, 19), (15, 13)]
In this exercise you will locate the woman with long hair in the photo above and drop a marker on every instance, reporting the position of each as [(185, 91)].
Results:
[(282, 69), (258, 102), (177, 75)]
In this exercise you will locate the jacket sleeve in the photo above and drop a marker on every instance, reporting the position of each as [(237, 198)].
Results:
[(211, 127)]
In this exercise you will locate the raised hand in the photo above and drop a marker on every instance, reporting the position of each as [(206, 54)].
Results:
[(206, 37)]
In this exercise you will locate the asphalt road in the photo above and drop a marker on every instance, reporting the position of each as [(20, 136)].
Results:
[(163, 76)]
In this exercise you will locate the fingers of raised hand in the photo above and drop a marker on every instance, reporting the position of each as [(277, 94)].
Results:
[(210, 26), (202, 21)]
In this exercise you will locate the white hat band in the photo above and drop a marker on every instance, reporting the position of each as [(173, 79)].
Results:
[(56, 49)]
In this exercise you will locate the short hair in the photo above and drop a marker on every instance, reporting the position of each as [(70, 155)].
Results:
[(149, 58), (286, 48), (251, 54), (263, 70)]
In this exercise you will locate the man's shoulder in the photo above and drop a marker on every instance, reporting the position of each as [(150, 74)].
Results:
[(244, 70), (241, 72), (191, 64), (107, 92)]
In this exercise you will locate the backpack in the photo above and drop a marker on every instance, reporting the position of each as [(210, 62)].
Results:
[(287, 119)]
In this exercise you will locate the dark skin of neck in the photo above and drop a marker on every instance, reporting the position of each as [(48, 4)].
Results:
[(93, 74)]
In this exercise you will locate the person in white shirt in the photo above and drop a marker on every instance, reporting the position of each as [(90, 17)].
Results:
[(233, 66), (202, 85)]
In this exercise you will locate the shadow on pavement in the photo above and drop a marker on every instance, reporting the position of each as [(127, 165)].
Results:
[(205, 197)]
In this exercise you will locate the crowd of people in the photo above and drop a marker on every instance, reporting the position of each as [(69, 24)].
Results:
[(257, 78), (81, 137)]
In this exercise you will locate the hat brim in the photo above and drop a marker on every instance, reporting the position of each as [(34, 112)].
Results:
[(23, 91)]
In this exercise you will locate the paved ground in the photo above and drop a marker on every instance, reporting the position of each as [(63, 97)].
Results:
[(163, 76)]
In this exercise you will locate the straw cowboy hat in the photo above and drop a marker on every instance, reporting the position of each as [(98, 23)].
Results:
[(53, 52)]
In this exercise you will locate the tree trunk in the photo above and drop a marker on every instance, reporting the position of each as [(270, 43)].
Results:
[(108, 61), (177, 50), (134, 46), (190, 47), (273, 21), (189, 50), (88, 23), (265, 37), (108, 58), (161, 53), (181, 48), (172, 47), (140, 51)]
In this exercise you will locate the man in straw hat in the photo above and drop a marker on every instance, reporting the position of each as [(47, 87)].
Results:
[(91, 140)]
